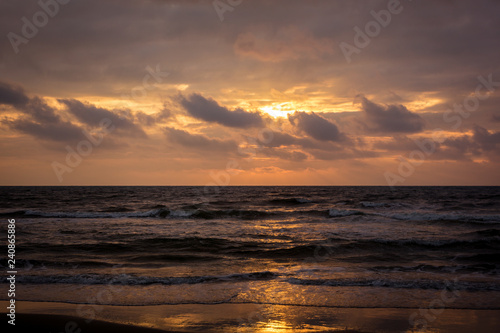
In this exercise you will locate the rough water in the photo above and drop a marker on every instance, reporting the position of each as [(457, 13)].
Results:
[(316, 246)]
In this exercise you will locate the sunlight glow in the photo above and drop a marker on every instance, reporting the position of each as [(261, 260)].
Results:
[(278, 109)]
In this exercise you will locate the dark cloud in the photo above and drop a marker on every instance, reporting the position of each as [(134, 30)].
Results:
[(391, 118), (40, 120), (197, 141), (152, 119), (399, 143), (12, 95), (456, 148), (280, 139), (294, 148), (315, 126), (40, 111), (92, 115), (208, 109), (486, 140), (60, 131)]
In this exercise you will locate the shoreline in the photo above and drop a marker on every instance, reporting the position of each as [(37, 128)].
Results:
[(68, 318), (73, 324)]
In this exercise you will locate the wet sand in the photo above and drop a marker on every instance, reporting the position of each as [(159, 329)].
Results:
[(71, 324), (69, 318)]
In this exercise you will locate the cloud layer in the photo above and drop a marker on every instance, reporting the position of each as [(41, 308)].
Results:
[(209, 110), (268, 67)]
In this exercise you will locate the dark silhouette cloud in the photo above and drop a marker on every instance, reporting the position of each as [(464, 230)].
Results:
[(40, 111), (391, 118), (152, 119), (60, 131), (486, 140), (39, 119), (92, 115), (208, 109), (280, 139), (197, 141), (12, 95), (315, 126)]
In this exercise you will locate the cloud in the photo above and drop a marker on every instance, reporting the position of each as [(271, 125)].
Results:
[(58, 131), (39, 119), (287, 43), (391, 118), (209, 110), (12, 95), (40, 111), (92, 115), (486, 140), (315, 126), (294, 156), (152, 119), (455, 148), (197, 141)]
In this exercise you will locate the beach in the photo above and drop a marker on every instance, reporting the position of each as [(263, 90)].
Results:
[(256, 259), (53, 317)]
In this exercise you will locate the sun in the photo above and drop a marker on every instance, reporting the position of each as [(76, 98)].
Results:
[(277, 110)]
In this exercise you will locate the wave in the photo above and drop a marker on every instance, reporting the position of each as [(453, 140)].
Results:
[(486, 268), (153, 248), (487, 233), (424, 216), (127, 279), (133, 280), (344, 212), (194, 212), (481, 257), (150, 213), (378, 249), (369, 204), (158, 249), (400, 284), (376, 204), (33, 263), (289, 201), (153, 213)]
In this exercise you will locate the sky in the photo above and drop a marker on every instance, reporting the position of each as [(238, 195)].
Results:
[(249, 92)]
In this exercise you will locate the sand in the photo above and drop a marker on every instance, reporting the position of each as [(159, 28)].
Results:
[(68, 324), (68, 318)]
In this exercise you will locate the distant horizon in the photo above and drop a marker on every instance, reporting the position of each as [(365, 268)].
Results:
[(395, 187)]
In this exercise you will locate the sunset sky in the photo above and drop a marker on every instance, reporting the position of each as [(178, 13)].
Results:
[(165, 92)]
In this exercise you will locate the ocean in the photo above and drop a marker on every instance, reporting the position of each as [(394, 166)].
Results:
[(352, 247)]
